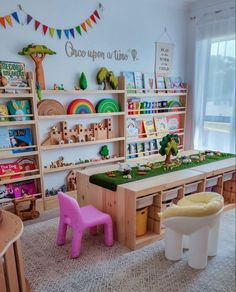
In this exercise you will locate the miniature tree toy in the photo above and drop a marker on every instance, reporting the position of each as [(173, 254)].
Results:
[(37, 53), (101, 77), (104, 152), (83, 81), (169, 145)]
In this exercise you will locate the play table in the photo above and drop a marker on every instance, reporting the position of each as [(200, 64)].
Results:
[(153, 192)]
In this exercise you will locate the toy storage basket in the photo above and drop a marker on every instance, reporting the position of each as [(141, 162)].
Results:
[(141, 221)]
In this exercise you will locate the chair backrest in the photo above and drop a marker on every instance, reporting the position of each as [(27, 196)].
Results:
[(69, 209)]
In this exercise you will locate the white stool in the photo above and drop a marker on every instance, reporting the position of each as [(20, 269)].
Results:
[(197, 233)]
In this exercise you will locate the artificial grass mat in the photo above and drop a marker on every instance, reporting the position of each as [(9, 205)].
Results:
[(111, 183)]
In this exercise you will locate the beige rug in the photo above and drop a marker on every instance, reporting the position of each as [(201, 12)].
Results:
[(99, 268)]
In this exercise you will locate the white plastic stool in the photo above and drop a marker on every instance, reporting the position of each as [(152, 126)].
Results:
[(202, 236)]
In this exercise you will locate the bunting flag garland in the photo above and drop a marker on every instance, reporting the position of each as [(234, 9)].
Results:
[(69, 32), (8, 19)]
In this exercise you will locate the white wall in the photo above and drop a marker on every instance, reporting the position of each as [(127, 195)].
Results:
[(125, 25)]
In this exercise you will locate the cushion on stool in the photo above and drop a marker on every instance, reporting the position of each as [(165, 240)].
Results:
[(196, 205)]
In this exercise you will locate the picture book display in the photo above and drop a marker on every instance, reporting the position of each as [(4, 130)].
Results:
[(14, 72), (9, 171), (19, 108), (129, 78), (161, 126), (148, 80), (138, 80), (160, 83), (20, 138), (167, 81), (19, 189), (149, 128), (176, 82), (4, 138), (132, 128), (173, 122), (3, 113)]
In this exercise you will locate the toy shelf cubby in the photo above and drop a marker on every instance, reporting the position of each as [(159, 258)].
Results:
[(146, 114), (12, 154), (79, 154)]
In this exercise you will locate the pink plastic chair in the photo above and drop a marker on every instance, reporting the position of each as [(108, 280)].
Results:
[(80, 218)]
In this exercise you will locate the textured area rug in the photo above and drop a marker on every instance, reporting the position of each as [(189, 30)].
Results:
[(100, 268)]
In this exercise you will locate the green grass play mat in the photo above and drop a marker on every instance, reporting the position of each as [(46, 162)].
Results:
[(111, 183)]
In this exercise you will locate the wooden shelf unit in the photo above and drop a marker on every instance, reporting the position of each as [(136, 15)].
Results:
[(157, 95), (6, 154), (119, 137)]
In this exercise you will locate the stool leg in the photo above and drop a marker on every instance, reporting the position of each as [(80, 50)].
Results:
[(93, 230), (108, 232), (61, 233), (198, 248), (214, 238), (173, 245), (186, 241), (76, 243)]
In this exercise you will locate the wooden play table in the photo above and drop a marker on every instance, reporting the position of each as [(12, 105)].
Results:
[(122, 204), (12, 275)]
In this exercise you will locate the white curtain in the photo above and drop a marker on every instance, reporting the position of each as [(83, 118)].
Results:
[(214, 82)]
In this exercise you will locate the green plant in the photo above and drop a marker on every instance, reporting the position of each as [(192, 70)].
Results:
[(104, 152), (83, 81)]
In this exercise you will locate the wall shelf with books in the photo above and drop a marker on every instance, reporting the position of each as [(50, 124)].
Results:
[(74, 137), (20, 166), (155, 106)]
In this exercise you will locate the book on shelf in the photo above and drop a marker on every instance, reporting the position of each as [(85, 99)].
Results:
[(4, 138), (9, 170), (19, 108), (149, 128), (167, 81), (176, 82), (20, 138), (160, 83), (5, 196), (154, 146), (140, 149), (148, 81), (27, 163), (141, 129), (138, 81), (147, 148), (132, 150), (132, 129), (3, 113), (14, 72), (129, 78), (173, 122), (161, 126), (19, 189)]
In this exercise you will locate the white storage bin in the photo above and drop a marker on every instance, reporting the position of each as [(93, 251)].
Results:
[(144, 202), (170, 194), (211, 182), (191, 188), (166, 205), (228, 175)]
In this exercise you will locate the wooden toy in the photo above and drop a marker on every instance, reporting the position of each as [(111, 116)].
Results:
[(71, 181), (107, 77), (83, 81), (60, 134), (81, 106), (104, 152), (107, 105), (50, 107), (169, 145), (37, 53), (29, 213)]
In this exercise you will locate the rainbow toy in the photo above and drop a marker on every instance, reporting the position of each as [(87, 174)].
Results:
[(81, 106), (107, 105)]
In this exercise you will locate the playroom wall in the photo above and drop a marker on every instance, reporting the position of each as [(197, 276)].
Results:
[(125, 25)]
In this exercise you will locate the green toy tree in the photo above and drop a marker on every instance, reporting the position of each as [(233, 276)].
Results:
[(37, 53), (104, 76), (169, 145), (104, 152), (83, 81)]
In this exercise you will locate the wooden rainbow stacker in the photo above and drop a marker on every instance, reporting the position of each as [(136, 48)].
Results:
[(153, 192)]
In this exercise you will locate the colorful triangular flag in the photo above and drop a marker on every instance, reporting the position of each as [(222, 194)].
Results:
[(51, 31), (72, 32), (36, 24), (59, 33), (83, 25), (2, 21), (96, 14), (15, 16), (88, 21), (28, 19), (8, 19), (45, 28), (93, 18), (66, 31), (78, 29)]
